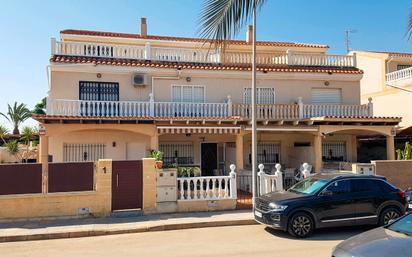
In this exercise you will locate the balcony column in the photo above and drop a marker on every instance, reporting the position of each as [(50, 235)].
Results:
[(354, 149), (147, 51), (239, 152), (154, 141), (390, 147), (44, 158), (300, 106), (370, 107), (317, 147)]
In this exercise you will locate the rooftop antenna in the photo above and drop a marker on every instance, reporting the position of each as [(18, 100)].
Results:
[(348, 41)]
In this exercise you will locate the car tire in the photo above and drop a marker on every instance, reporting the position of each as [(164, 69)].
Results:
[(301, 225), (388, 214)]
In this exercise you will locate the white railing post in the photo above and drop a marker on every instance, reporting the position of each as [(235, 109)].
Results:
[(229, 105), (290, 57), (49, 106), (370, 107), (300, 106), (147, 51), (232, 175), (262, 179), (279, 177), (53, 46), (354, 61), (151, 105)]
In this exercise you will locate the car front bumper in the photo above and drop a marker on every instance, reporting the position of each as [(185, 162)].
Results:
[(276, 220)]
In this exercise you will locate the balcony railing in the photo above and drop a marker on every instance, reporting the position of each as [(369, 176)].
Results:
[(399, 75), (291, 112), (196, 55)]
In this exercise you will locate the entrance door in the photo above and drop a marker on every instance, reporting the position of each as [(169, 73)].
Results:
[(209, 158), (127, 185)]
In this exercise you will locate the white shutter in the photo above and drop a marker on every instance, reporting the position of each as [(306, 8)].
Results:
[(187, 94), (198, 94), (176, 93), (264, 95), (326, 96)]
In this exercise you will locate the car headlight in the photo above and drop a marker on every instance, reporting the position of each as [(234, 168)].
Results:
[(277, 207)]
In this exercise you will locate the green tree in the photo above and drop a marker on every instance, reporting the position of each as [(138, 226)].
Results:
[(3, 133), (17, 114), (40, 107), (27, 135)]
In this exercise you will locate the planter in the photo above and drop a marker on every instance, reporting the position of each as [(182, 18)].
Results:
[(159, 165)]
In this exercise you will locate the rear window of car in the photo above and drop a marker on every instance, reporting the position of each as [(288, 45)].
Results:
[(371, 185), (386, 186)]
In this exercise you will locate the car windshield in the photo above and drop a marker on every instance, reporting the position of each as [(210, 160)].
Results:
[(308, 186), (403, 225)]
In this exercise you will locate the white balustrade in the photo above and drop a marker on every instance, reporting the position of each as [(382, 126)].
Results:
[(399, 75), (208, 188), (270, 183), (180, 109), (147, 52), (268, 111), (319, 110)]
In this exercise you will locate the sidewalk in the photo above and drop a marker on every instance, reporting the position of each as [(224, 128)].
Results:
[(82, 227)]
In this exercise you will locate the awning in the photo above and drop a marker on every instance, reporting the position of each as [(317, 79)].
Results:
[(197, 130)]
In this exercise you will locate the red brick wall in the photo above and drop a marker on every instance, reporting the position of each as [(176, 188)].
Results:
[(398, 173)]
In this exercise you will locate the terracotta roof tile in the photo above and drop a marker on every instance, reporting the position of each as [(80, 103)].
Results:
[(187, 39), (200, 66)]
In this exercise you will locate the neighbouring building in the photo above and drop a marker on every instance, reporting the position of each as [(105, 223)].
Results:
[(388, 80), (118, 95)]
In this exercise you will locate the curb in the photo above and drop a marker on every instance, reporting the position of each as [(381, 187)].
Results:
[(153, 228)]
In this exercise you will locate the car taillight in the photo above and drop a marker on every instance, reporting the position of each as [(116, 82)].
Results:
[(402, 194)]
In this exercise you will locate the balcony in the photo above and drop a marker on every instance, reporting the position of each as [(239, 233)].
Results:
[(196, 55), (400, 77), (152, 109)]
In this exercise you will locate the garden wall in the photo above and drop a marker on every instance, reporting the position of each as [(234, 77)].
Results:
[(399, 173)]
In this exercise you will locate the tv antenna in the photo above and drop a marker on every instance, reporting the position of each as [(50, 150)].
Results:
[(348, 40)]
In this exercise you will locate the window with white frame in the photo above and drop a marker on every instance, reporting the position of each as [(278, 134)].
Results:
[(264, 95), (267, 153), (188, 93), (83, 152), (177, 153), (334, 151)]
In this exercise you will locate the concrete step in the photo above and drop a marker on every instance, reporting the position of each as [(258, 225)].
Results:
[(127, 213)]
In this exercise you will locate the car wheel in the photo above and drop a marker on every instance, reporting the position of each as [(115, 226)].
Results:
[(300, 225), (388, 215)]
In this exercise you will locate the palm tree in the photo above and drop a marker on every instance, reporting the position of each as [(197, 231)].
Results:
[(16, 115), (3, 133), (40, 107), (221, 20), (27, 135)]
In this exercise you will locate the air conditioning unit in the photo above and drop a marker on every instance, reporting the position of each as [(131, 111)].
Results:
[(140, 80)]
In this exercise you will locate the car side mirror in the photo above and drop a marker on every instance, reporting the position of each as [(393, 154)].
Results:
[(327, 193)]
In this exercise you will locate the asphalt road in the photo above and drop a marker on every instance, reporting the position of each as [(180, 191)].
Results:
[(253, 240)]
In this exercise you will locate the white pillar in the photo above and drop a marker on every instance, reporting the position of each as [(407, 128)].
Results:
[(279, 177), (300, 106), (370, 107), (233, 188), (262, 180), (229, 106)]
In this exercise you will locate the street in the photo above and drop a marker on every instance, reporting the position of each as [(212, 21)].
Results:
[(252, 240)]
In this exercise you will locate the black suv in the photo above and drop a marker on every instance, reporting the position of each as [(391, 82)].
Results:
[(327, 200)]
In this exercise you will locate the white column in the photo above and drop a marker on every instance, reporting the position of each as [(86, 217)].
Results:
[(370, 107), (229, 105), (279, 177), (300, 104), (262, 180), (233, 188)]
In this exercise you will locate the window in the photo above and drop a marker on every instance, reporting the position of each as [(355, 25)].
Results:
[(334, 151), (403, 66), (188, 93), (326, 96), (264, 95), (83, 152), (339, 187), (177, 153), (268, 153), (98, 91), (364, 185)]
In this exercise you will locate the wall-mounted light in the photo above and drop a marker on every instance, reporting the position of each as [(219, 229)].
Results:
[(114, 144), (99, 75), (326, 83), (188, 79)]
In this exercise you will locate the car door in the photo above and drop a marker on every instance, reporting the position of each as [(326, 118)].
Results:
[(335, 205), (366, 196)]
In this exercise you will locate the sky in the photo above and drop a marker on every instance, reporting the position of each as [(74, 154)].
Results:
[(26, 27)]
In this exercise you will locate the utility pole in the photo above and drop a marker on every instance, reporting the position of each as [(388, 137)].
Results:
[(254, 129), (348, 41)]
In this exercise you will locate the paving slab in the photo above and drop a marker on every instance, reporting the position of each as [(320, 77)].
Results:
[(84, 227)]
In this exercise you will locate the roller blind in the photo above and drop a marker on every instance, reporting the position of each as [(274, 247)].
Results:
[(326, 96)]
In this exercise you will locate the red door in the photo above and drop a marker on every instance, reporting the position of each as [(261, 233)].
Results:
[(127, 185)]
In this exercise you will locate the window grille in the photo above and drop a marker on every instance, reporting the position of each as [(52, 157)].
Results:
[(264, 95), (267, 153), (188, 93), (177, 153), (403, 66), (98, 91), (334, 151), (83, 152)]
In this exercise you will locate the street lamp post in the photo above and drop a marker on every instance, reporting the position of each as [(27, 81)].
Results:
[(254, 130)]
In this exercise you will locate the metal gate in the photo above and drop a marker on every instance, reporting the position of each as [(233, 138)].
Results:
[(127, 185)]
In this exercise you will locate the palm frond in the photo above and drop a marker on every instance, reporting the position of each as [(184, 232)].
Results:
[(409, 28), (221, 20)]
